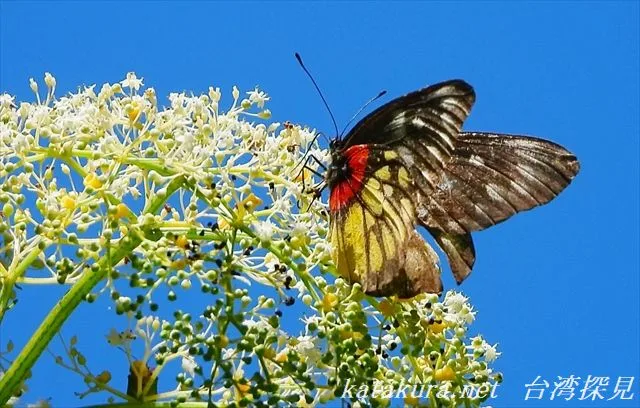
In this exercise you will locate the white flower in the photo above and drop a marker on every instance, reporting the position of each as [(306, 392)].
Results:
[(132, 81), (490, 352), (477, 342), (308, 348), (258, 324), (189, 365), (312, 319), (258, 97), (454, 301), (467, 314), (19, 143), (6, 100), (264, 230), (228, 353), (238, 374), (299, 230)]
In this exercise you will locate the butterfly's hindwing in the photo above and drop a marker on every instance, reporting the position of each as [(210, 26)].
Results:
[(459, 250), (491, 177), (374, 235)]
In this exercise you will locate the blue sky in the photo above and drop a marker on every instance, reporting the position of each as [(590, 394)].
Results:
[(556, 287)]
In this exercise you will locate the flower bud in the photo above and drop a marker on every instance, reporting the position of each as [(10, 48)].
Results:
[(33, 85), (49, 80)]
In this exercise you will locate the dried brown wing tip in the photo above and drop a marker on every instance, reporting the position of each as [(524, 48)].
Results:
[(460, 252), (422, 267)]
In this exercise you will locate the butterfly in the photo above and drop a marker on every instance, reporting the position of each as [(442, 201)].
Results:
[(409, 164)]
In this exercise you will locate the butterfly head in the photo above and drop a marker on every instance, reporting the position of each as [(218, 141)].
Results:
[(336, 144), (338, 169)]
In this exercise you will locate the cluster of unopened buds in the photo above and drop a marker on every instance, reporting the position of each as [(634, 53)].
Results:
[(163, 204)]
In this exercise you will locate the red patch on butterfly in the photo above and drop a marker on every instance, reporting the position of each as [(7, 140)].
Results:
[(344, 191)]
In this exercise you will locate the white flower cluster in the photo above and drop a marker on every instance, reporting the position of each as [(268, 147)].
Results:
[(156, 200)]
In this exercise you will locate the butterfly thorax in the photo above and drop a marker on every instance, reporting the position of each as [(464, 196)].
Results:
[(338, 170), (345, 174)]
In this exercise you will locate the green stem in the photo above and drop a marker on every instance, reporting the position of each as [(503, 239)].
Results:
[(51, 325), (17, 372), (14, 274)]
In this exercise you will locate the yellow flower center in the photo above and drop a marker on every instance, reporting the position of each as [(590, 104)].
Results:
[(68, 202), (444, 374), (329, 302), (91, 180), (182, 241), (121, 211)]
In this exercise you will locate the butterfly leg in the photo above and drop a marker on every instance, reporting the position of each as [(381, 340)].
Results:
[(314, 158), (322, 183), (312, 170)]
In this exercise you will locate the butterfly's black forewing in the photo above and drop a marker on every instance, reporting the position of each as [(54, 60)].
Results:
[(464, 181), (443, 107)]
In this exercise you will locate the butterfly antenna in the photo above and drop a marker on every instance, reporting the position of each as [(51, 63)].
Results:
[(335, 125), (382, 93)]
